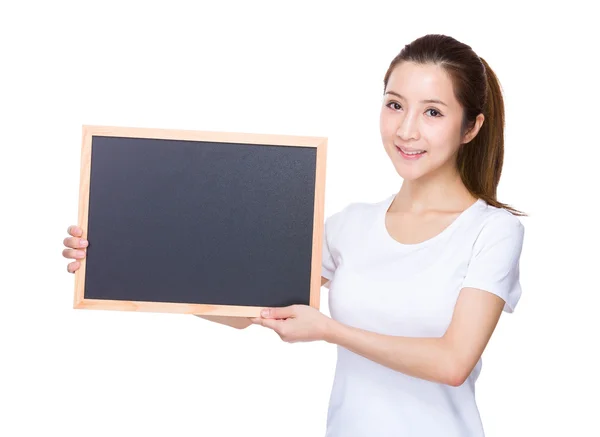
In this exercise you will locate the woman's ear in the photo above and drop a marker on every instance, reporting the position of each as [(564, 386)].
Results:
[(472, 133)]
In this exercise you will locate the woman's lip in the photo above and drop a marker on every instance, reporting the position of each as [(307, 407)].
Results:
[(410, 157)]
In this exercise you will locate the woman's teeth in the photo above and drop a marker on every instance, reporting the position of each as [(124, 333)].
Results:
[(413, 154)]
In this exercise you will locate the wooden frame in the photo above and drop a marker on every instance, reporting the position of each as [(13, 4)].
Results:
[(88, 131)]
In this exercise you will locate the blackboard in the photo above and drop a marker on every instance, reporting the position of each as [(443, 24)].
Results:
[(199, 222)]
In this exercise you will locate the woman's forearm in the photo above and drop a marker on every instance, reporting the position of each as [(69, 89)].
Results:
[(425, 358)]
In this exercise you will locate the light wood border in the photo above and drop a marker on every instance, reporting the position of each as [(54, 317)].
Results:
[(320, 143)]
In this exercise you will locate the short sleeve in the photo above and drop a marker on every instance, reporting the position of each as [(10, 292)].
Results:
[(494, 265), (328, 265), (331, 230)]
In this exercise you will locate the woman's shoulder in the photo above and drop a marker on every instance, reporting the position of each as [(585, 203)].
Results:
[(358, 209), (492, 216), (495, 223), (355, 215)]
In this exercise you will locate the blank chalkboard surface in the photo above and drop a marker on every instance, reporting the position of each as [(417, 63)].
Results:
[(197, 222)]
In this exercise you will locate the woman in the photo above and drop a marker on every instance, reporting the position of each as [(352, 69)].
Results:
[(418, 280)]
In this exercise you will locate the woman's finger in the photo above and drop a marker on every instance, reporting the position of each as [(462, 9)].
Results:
[(73, 254), (75, 242), (73, 267), (75, 231)]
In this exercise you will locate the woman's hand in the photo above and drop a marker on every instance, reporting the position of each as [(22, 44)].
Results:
[(295, 323), (75, 248)]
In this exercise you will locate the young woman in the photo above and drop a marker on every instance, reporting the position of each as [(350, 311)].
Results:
[(417, 281)]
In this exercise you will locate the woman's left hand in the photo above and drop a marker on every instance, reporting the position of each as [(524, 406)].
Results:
[(300, 323)]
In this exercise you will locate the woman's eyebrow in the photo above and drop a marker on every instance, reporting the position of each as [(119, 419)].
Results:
[(422, 101)]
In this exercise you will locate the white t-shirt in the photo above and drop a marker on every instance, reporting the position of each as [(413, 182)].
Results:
[(383, 286)]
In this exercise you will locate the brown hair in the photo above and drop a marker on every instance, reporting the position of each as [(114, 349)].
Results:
[(478, 90)]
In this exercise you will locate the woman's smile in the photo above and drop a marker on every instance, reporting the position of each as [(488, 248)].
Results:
[(411, 155)]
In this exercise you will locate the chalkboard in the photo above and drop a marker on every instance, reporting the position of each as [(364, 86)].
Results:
[(199, 222)]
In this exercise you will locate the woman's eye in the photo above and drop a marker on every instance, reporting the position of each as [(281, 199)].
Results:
[(396, 106)]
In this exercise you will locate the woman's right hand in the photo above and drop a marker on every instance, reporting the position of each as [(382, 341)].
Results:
[(75, 248)]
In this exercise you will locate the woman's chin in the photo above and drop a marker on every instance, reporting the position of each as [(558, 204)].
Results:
[(409, 174)]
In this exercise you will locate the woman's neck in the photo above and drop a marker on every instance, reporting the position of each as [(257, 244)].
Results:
[(441, 192)]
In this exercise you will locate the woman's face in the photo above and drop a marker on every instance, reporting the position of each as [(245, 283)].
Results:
[(420, 120)]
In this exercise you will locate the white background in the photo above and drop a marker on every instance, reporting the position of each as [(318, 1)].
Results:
[(305, 68)]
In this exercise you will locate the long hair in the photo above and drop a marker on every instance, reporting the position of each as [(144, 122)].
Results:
[(477, 89)]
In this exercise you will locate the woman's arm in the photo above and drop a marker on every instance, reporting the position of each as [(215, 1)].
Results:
[(448, 359), (491, 283)]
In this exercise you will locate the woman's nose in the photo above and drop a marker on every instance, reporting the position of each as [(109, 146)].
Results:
[(408, 128)]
